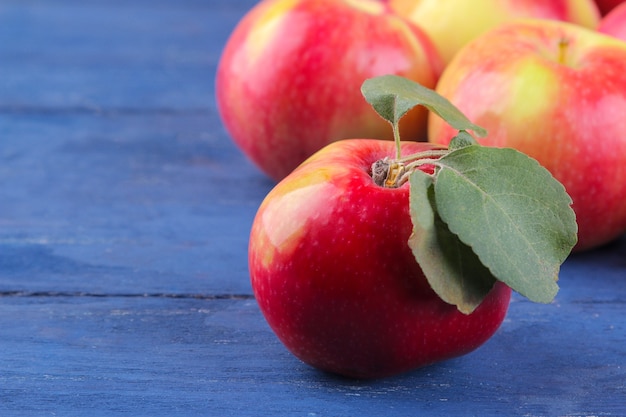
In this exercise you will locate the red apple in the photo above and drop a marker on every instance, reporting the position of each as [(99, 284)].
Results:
[(451, 24), (614, 23), (606, 6), (289, 77), (556, 92), (336, 280)]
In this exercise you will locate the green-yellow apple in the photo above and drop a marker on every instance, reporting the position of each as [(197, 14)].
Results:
[(289, 77), (614, 23), (557, 92), (453, 23)]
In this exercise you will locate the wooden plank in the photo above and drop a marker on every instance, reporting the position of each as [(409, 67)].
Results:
[(124, 203), (99, 55), (189, 356), (115, 171)]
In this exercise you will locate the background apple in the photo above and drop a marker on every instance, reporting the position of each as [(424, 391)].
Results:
[(453, 23), (614, 23), (288, 82), (335, 278), (606, 6), (557, 92)]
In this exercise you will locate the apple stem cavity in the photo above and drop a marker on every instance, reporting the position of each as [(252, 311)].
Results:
[(394, 173), (462, 197)]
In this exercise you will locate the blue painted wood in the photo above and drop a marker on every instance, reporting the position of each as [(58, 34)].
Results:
[(99, 56), (189, 356), (116, 170), (123, 234), (140, 202)]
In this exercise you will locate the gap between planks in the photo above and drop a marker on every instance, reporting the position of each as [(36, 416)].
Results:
[(125, 295)]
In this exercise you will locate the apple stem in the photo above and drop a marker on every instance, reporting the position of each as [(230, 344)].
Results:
[(393, 173), (412, 167), (563, 44), (433, 154), (396, 138)]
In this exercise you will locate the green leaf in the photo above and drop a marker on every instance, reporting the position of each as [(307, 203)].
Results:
[(461, 140), (452, 269), (393, 96), (486, 214), (510, 210)]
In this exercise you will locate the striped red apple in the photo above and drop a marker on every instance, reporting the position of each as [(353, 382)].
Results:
[(289, 77)]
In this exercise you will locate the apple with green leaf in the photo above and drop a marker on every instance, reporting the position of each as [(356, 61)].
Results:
[(288, 79), (374, 257), (556, 92), (451, 24), (614, 23)]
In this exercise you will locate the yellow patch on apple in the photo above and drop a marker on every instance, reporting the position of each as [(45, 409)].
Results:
[(402, 26), (280, 219), (529, 88), (368, 6), (266, 26)]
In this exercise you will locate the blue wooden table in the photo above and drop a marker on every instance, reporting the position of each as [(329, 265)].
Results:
[(124, 287)]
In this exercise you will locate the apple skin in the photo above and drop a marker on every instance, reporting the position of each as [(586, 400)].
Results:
[(288, 81), (451, 24), (334, 276), (606, 6), (614, 23), (562, 106)]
